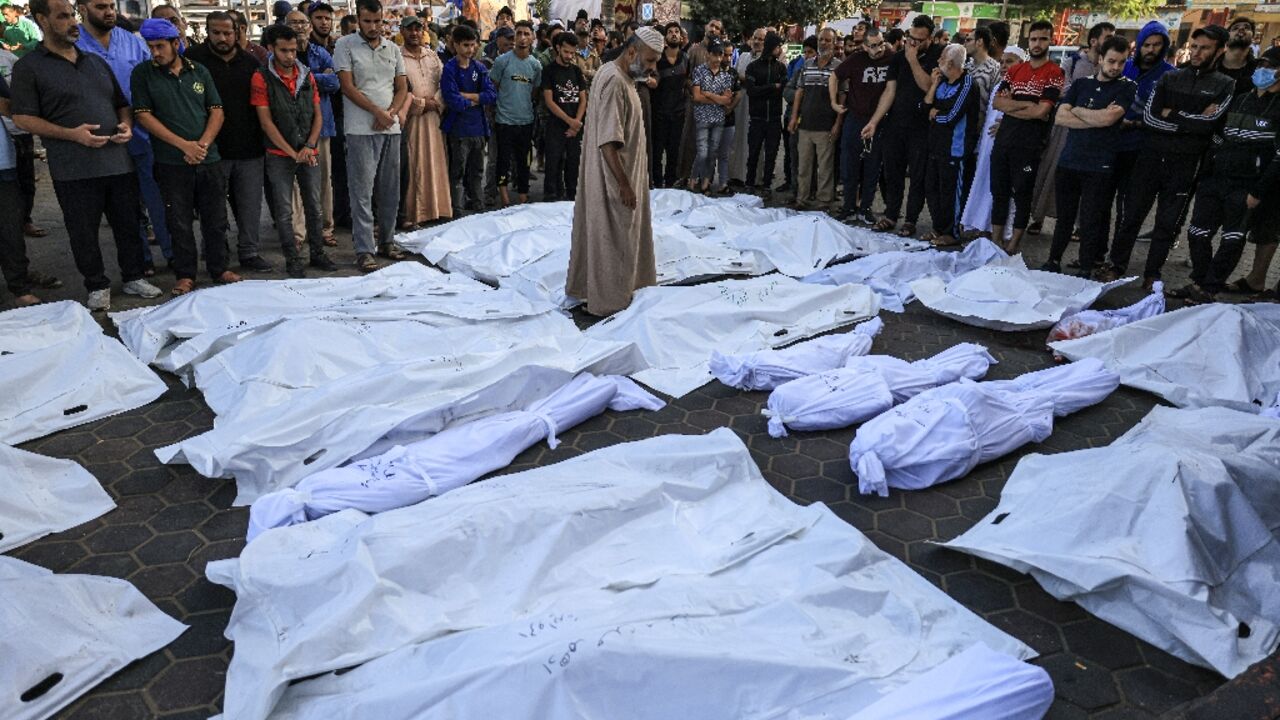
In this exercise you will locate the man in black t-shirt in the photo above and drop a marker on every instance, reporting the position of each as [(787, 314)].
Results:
[(903, 138), (564, 90), (856, 88), (667, 103)]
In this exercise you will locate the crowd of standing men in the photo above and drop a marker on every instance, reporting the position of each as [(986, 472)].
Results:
[(345, 125)]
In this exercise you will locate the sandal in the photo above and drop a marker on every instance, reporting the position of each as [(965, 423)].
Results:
[(182, 287), (227, 277), (929, 237), (945, 241), (33, 230), (330, 241), (26, 300), (1268, 295), (907, 230), (884, 224), (1243, 287), (391, 251), (366, 263)]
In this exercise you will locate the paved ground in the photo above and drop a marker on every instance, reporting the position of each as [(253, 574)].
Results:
[(171, 522)]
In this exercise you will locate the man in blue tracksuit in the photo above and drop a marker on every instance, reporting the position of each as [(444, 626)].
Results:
[(466, 88), (953, 102), (1148, 63)]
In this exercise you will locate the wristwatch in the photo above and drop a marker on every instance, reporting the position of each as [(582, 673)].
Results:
[(310, 146)]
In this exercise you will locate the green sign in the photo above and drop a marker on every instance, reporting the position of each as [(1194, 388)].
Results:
[(792, 51)]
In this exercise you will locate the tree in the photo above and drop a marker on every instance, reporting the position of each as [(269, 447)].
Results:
[(743, 16), (1052, 9)]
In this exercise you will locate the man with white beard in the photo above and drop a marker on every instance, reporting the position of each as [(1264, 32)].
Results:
[(612, 252)]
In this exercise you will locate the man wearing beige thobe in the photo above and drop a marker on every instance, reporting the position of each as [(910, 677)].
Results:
[(612, 253)]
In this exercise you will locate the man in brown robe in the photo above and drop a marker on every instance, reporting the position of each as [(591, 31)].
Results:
[(612, 252)]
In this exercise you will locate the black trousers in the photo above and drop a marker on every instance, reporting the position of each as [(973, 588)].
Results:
[(562, 154), (186, 189), (1083, 199), (944, 185), (13, 245), (26, 151), (763, 133), (1165, 181), (514, 143), (905, 153), (338, 176), (664, 154), (83, 204), (1013, 178), (1220, 204)]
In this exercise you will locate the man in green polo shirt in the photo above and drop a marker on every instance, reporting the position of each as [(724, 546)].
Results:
[(176, 101), (21, 34)]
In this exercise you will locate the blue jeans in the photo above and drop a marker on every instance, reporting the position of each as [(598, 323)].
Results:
[(708, 144), (373, 178), (859, 170), (143, 160)]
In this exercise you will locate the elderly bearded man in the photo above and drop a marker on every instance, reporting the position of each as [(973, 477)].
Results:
[(612, 252)]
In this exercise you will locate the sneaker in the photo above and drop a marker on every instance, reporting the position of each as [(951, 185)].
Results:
[(1106, 274), (1052, 267), (99, 299), (256, 264), (320, 261), (142, 289), (866, 217), (783, 188), (295, 267)]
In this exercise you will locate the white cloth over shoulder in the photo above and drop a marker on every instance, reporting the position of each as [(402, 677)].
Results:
[(1169, 533), (447, 460), (1215, 354), (59, 370), (943, 433), (67, 633), (1005, 295), (669, 558), (866, 387), (677, 328), (1089, 322), (42, 495), (977, 684), (890, 274), (767, 369)]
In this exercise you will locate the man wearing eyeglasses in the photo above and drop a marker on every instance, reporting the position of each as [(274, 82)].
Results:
[(855, 89), (240, 139)]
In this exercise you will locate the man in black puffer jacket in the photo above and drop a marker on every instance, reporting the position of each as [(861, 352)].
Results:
[(1179, 121), (766, 76)]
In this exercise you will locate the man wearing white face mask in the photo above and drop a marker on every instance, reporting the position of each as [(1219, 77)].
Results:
[(1242, 188)]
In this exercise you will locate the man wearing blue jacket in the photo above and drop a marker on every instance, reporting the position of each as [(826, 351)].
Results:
[(952, 103), (467, 90)]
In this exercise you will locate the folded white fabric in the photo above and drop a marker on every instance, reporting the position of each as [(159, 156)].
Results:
[(59, 370), (767, 369), (1005, 295), (42, 495), (866, 387), (1169, 533), (447, 460), (677, 328), (977, 684), (891, 273), (1214, 354), (60, 635), (1089, 322), (943, 433), (153, 333), (538, 594)]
